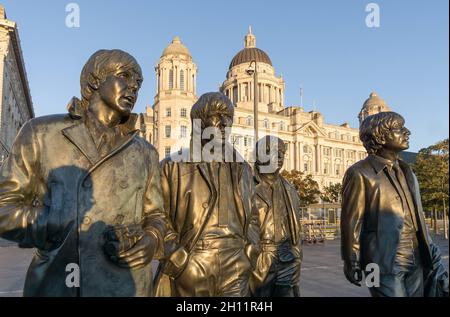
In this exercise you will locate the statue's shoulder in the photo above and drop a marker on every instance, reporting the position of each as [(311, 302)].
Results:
[(50, 122)]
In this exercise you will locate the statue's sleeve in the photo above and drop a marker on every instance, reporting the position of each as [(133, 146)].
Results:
[(352, 215), (156, 221), (20, 220)]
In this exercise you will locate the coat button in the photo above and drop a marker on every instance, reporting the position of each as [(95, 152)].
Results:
[(86, 220), (87, 183), (123, 184), (205, 205)]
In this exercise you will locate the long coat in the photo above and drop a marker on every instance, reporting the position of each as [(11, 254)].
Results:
[(265, 205), (58, 195), (189, 197), (372, 215)]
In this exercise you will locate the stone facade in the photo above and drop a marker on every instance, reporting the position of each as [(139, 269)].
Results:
[(314, 147), (15, 100), (167, 123)]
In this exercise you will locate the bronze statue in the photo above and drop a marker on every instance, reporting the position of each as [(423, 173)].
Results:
[(84, 190), (278, 266), (382, 219), (211, 204)]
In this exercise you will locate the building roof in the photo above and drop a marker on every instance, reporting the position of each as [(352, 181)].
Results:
[(375, 100), (176, 48), (250, 52)]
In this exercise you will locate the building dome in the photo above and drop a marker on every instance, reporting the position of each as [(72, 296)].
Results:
[(374, 104), (176, 48), (250, 52), (375, 100)]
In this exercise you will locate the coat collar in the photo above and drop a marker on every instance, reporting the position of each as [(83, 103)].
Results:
[(379, 163), (79, 134)]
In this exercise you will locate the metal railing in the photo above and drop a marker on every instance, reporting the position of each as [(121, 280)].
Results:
[(319, 224)]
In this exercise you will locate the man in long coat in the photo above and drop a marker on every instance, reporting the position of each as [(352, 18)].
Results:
[(211, 204), (383, 229), (278, 266), (84, 190)]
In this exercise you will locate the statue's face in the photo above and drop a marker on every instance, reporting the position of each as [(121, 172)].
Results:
[(119, 90), (398, 137), (219, 119), (275, 151)]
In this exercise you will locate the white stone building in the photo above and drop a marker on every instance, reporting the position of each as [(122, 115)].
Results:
[(15, 100), (315, 147)]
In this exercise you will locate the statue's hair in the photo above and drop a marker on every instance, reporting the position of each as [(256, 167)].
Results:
[(375, 128), (211, 102), (100, 65)]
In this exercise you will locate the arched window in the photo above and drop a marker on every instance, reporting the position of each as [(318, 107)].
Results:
[(171, 79), (306, 149), (182, 79)]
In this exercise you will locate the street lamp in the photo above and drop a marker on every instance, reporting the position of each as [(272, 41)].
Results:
[(250, 71)]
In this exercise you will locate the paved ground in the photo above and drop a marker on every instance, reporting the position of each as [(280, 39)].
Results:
[(321, 270)]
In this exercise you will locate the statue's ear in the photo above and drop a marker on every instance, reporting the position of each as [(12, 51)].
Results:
[(381, 140), (93, 81)]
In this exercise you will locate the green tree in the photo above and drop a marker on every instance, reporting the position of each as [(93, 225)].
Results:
[(332, 193), (432, 170), (306, 186)]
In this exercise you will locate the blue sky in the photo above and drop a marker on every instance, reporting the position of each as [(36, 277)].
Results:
[(323, 45)]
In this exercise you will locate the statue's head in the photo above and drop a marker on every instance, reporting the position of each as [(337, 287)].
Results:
[(213, 110), (384, 130), (115, 77), (270, 152)]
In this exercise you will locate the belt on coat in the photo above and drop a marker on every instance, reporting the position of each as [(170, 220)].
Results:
[(220, 243), (267, 245)]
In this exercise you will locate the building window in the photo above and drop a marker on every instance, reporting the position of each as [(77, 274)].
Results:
[(182, 79), (237, 140), (325, 168), (266, 124), (338, 152), (305, 167), (235, 94), (167, 151), (183, 113), (326, 151), (245, 141), (282, 127), (338, 169), (306, 149), (249, 121), (183, 130), (168, 130), (168, 112), (171, 79)]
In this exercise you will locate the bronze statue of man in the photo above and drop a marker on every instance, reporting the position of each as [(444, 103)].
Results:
[(382, 227), (84, 190), (211, 204), (278, 266)]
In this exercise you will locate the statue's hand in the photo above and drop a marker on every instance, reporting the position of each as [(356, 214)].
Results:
[(353, 273), (130, 246)]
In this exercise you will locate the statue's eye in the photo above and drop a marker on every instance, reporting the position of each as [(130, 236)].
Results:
[(123, 75)]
